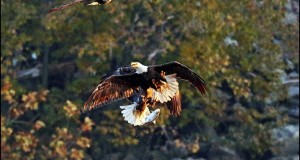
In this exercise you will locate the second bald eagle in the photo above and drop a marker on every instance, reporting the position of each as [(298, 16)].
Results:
[(86, 2), (144, 86)]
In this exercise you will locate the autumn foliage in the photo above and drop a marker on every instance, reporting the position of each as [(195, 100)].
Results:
[(50, 63)]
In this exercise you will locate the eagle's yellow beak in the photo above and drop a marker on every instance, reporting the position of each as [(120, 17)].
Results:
[(134, 64)]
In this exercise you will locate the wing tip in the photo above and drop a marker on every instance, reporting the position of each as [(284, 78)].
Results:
[(89, 105), (202, 89)]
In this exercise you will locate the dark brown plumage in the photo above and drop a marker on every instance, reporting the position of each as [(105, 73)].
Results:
[(175, 105), (113, 88)]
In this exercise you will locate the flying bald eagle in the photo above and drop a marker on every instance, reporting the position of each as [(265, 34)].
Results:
[(144, 86), (86, 2)]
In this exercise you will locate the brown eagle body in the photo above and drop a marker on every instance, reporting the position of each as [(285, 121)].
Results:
[(86, 2), (144, 86)]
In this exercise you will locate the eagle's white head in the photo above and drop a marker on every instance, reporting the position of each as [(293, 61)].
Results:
[(157, 111), (152, 116), (139, 67), (97, 3)]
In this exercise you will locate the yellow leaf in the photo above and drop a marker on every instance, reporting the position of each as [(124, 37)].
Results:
[(83, 142), (39, 124), (76, 154), (87, 125)]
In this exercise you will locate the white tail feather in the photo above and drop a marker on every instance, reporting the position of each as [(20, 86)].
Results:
[(129, 114)]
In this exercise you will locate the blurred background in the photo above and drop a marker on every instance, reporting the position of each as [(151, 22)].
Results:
[(246, 50)]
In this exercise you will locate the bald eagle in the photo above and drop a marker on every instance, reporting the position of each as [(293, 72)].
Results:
[(86, 2), (144, 86)]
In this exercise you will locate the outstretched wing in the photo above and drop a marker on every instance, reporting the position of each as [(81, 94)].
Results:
[(64, 6), (175, 105), (113, 88), (182, 72)]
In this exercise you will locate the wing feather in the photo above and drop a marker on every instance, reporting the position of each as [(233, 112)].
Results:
[(182, 72), (112, 89), (175, 105), (64, 6)]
